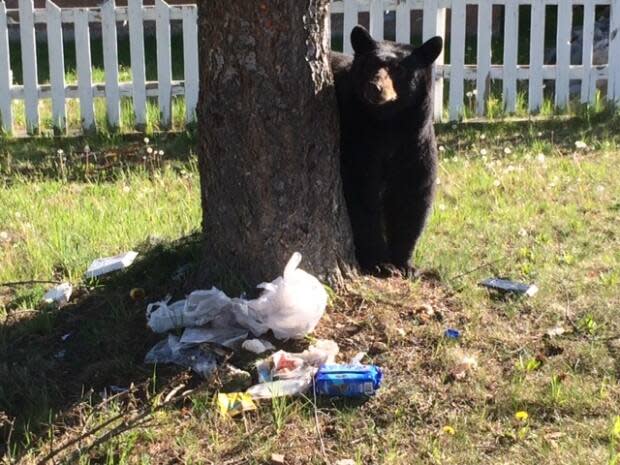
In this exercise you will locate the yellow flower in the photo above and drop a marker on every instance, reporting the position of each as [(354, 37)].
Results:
[(448, 430), (521, 416)]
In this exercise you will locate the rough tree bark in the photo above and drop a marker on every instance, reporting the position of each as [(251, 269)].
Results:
[(268, 141)]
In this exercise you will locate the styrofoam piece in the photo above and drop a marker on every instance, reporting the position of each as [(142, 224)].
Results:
[(103, 266)]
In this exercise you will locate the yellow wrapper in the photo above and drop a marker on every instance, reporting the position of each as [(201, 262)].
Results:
[(234, 403)]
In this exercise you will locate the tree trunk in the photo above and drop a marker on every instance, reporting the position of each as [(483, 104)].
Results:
[(269, 141)]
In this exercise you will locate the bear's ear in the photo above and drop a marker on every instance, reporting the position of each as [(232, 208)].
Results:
[(430, 50), (361, 40)]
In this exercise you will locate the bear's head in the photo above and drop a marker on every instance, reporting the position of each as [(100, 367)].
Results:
[(387, 76)]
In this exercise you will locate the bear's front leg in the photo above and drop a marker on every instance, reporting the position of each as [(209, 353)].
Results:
[(407, 208)]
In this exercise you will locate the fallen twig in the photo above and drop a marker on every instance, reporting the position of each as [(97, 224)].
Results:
[(28, 283), (485, 264)]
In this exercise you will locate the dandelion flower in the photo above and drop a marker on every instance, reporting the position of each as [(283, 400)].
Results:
[(448, 430), (581, 145), (149, 150), (146, 140), (540, 158), (507, 150), (521, 416), (161, 153), (441, 148), (483, 152), (483, 136)]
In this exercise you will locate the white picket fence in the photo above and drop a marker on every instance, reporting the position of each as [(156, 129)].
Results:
[(108, 15), (434, 23)]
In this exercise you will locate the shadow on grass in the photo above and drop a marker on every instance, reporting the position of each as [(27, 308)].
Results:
[(50, 359), (98, 157), (558, 132)]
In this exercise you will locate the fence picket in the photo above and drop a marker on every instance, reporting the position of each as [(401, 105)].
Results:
[(164, 61), (57, 65), (136, 51), (403, 22), (110, 63), (190, 60), (562, 81), (587, 52), (614, 53), (6, 116), (377, 19), (484, 57), (511, 41), (84, 69), (29, 64), (537, 37), (349, 22), (434, 23), (457, 58)]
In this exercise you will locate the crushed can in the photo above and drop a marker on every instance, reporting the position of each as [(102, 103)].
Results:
[(340, 380)]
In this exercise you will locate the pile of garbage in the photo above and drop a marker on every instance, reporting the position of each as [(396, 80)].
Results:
[(290, 307)]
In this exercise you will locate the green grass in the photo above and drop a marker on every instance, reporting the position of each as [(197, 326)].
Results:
[(520, 200)]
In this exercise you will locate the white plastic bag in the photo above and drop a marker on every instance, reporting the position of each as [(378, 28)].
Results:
[(291, 306), (200, 308)]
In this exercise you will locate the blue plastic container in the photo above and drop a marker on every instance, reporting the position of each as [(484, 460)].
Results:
[(348, 380)]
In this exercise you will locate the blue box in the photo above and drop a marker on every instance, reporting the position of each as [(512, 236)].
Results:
[(348, 380)]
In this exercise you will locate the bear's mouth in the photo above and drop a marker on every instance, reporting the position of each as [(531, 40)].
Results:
[(382, 99)]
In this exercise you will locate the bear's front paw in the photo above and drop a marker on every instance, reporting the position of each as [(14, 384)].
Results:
[(389, 270)]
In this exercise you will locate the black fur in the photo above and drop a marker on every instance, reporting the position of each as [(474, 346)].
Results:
[(389, 153)]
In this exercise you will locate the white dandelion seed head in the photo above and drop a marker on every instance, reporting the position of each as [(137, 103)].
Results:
[(540, 158), (483, 152), (149, 150)]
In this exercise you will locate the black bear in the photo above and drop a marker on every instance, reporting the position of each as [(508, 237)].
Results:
[(388, 148)]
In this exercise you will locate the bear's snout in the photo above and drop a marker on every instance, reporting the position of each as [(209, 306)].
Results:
[(380, 89)]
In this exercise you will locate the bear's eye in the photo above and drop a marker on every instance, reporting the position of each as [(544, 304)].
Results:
[(397, 71)]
